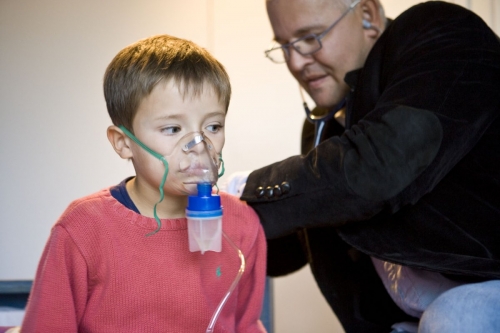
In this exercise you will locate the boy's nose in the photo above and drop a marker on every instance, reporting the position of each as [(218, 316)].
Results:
[(194, 143)]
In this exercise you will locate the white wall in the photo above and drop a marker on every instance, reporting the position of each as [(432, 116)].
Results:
[(53, 117), (53, 146)]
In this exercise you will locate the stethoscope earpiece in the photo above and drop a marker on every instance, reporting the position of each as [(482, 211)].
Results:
[(367, 25)]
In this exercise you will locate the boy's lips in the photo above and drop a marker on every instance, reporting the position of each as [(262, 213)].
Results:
[(198, 171)]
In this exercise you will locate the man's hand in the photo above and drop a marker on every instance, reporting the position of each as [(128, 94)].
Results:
[(236, 183)]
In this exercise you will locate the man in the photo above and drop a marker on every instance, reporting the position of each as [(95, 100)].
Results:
[(398, 213)]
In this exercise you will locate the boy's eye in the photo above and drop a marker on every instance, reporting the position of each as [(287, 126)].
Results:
[(214, 128), (171, 130)]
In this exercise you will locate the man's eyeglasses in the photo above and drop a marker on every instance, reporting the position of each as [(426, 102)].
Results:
[(305, 45)]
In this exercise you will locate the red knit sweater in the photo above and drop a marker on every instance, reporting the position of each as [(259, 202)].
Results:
[(100, 273)]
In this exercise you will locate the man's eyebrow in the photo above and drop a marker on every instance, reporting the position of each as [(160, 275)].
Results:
[(300, 32)]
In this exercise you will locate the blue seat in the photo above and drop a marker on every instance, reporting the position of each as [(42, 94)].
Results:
[(267, 315)]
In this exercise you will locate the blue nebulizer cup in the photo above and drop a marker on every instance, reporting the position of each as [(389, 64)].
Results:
[(204, 218)]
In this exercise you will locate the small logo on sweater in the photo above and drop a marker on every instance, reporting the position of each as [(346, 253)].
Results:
[(218, 272)]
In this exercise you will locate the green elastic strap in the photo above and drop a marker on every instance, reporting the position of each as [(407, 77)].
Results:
[(221, 171), (222, 165), (163, 180)]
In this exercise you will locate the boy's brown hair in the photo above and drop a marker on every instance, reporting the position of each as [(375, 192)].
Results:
[(138, 68)]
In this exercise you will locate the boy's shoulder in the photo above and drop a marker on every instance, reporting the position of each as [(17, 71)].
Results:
[(85, 207), (238, 212), (90, 199), (240, 222), (233, 203)]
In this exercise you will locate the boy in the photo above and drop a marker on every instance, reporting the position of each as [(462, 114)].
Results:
[(118, 260)]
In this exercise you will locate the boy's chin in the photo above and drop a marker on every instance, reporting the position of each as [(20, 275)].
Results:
[(187, 185), (190, 188)]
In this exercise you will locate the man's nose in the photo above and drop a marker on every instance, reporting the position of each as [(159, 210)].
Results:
[(297, 61)]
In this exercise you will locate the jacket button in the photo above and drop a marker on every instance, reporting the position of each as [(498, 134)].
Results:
[(259, 192), (285, 187), (277, 190), (269, 192)]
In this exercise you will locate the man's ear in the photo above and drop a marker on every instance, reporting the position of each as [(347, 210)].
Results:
[(120, 142), (372, 13)]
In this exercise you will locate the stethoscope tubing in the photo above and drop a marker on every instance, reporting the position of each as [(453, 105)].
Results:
[(320, 121)]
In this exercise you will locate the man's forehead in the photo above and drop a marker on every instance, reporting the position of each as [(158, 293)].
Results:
[(296, 9), (292, 18), (308, 3)]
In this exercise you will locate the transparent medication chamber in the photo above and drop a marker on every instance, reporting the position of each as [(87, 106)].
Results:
[(204, 218)]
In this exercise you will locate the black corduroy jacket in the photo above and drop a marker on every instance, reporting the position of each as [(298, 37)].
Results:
[(414, 178)]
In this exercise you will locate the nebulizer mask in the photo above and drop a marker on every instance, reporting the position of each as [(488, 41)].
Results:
[(192, 168)]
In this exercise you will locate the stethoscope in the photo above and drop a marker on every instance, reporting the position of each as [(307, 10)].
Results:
[(320, 121)]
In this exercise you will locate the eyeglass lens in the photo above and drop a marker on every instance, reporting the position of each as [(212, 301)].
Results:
[(306, 45)]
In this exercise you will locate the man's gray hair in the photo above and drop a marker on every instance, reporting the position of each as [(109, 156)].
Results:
[(344, 4)]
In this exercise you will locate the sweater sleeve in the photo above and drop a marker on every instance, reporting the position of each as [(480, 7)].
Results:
[(58, 296)]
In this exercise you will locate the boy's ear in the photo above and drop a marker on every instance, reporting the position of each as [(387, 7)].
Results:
[(120, 142)]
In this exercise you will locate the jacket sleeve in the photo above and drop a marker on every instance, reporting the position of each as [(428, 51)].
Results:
[(427, 94), (59, 293)]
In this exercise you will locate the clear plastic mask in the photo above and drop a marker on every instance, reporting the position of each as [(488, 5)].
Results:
[(191, 161)]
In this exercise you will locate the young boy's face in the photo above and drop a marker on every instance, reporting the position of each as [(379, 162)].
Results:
[(164, 117)]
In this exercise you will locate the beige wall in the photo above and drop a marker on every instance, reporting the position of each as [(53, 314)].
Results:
[(53, 119)]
